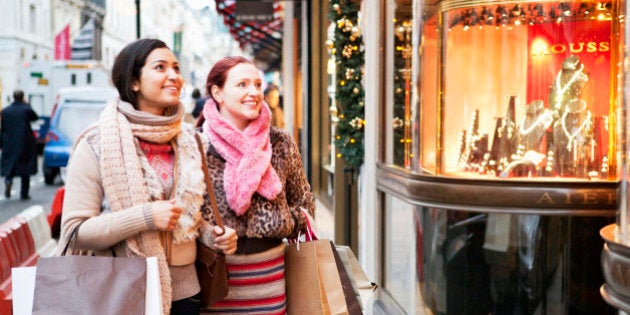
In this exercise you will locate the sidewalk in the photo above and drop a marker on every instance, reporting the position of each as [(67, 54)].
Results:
[(324, 221)]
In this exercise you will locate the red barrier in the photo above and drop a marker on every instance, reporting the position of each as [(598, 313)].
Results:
[(17, 249), (6, 307), (7, 257)]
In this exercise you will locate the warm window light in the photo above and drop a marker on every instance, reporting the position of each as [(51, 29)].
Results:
[(539, 47)]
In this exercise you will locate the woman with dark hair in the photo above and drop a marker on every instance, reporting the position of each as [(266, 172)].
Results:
[(135, 185), (261, 187), (272, 97)]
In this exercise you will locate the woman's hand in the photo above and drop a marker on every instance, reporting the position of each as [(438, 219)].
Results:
[(225, 240), (165, 214)]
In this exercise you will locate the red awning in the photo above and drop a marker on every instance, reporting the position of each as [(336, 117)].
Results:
[(263, 40)]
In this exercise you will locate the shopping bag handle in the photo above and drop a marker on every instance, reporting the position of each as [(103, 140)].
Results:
[(71, 238)]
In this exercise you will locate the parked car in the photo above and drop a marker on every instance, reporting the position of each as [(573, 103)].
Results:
[(76, 109)]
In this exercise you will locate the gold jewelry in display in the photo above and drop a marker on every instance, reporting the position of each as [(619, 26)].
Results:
[(545, 119), (561, 89), (583, 125)]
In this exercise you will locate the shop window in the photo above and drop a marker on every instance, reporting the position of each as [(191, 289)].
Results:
[(518, 90)]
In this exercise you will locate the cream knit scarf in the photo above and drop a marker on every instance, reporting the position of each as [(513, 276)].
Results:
[(247, 156), (129, 180)]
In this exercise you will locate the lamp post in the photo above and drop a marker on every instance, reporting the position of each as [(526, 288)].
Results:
[(137, 19)]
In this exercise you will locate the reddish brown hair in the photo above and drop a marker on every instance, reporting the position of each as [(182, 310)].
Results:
[(218, 75)]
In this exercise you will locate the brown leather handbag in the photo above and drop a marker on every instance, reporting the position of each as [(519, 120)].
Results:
[(210, 264)]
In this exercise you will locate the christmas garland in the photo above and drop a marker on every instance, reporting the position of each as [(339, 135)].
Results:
[(348, 108)]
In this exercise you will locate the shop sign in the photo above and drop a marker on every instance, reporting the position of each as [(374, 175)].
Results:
[(254, 11)]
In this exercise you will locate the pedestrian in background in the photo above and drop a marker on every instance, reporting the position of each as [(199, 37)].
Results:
[(18, 144), (260, 183), (272, 97), (135, 183), (199, 102), (190, 117)]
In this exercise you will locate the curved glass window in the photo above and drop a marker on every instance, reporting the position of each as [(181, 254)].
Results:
[(518, 89)]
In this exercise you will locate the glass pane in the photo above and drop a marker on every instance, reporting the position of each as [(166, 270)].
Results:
[(399, 53), (523, 89), (427, 79), (402, 262), (496, 263)]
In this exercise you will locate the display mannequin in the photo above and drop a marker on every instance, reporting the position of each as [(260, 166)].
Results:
[(573, 139), (568, 84), (533, 127), (530, 135)]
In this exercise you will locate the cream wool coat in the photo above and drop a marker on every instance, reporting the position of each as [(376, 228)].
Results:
[(85, 199)]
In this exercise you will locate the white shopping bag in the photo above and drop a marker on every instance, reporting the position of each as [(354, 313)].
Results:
[(153, 302), (23, 282)]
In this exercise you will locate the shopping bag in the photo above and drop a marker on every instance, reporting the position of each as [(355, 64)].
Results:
[(363, 288), (90, 284), (313, 284), (353, 305), (23, 282), (153, 298), (331, 279), (303, 282)]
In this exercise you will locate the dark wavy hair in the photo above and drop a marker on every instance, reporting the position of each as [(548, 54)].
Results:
[(128, 66)]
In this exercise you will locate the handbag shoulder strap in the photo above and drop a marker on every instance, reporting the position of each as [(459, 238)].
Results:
[(204, 166)]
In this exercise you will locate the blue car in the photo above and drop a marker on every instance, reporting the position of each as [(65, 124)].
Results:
[(76, 109)]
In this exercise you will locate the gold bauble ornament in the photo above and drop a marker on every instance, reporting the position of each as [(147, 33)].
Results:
[(347, 51), (355, 90), (349, 74)]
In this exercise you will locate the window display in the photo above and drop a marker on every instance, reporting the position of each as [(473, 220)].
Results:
[(524, 90)]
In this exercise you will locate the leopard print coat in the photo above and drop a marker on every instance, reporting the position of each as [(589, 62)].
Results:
[(266, 218)]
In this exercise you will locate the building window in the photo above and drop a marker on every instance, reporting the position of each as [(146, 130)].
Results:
[(32, 18)]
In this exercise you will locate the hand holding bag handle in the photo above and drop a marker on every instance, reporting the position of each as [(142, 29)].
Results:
[(210, 264)]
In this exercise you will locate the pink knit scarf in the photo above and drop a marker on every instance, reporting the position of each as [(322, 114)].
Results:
[(247, 154)]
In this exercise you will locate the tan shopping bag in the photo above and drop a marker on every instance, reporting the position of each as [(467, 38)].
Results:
[(313, 285)]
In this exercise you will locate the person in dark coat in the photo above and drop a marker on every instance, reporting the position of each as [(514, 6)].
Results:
[(199, 103), (18, 144)]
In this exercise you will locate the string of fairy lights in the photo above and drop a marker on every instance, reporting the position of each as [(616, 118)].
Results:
[(533, 13), (348, 107)]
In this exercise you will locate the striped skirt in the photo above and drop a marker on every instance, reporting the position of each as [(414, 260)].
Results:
[(256, 284)]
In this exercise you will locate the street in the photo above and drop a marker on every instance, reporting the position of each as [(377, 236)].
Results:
[(40, 193)]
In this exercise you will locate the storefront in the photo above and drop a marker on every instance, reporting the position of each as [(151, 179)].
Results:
[(494, 139)]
